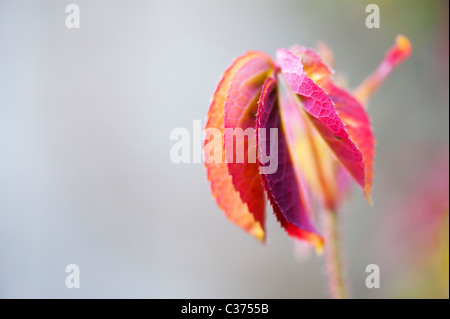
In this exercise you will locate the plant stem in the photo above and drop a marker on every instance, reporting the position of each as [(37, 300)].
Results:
[(335, 268)]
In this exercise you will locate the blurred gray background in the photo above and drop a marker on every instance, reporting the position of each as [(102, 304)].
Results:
[(85, 119)]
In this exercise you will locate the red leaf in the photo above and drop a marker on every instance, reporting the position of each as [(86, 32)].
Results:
[(358, 127), (285, 192), (322, 113), (240, 113), (350, 111), (227, 198)]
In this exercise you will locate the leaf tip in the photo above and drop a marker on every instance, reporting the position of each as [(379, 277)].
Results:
[(403, 44), (258, 232), (368, 197), (318, 242)]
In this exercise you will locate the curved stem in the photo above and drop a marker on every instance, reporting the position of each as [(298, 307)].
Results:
[(336, 278)]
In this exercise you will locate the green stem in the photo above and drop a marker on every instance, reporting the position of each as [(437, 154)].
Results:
[(336, 278)]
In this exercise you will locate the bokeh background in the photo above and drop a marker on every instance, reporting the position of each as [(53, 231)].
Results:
[(85, 171)]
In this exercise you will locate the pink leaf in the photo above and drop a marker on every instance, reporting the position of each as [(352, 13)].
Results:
[(288, 198), (322, 113)]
